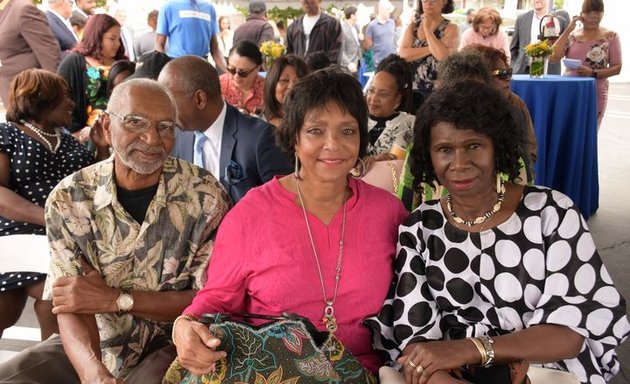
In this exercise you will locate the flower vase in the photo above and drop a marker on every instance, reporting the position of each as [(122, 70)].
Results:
[(538, 67), (268, 62)]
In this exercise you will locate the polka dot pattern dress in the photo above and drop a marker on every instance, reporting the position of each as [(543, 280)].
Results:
[(33, 172), (538, 267)]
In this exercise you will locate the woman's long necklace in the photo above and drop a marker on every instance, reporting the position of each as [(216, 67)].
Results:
[(487, 215), (42, 135), (329, 319)]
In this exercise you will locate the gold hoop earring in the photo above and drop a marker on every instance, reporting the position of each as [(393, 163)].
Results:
[(359, 169), (296, 172)]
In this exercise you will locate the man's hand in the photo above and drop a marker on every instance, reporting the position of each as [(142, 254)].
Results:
[(100, 375), (196, 347), (87, 295)]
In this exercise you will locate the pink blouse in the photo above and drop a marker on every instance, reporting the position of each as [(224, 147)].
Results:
[(253, 104), (497, 41), (263, 261)]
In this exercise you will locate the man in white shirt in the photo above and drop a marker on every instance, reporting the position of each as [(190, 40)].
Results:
[(314, 32), (527, 29), (58, 15), (84, 8)]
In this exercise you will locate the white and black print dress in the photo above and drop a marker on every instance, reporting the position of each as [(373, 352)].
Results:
[(538, 267), (33, 172)]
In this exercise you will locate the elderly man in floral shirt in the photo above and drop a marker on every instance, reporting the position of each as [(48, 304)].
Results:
[(130, 239)]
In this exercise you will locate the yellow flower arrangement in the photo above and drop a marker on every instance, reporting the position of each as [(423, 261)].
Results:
[(272, 49), (539, 49)]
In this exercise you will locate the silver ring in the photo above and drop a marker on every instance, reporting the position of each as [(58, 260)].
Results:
[(412, 364), (419, 369)]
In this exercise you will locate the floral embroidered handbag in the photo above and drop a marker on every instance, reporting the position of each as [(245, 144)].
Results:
[(286, 350)]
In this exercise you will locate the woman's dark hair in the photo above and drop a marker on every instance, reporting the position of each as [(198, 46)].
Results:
[(92, 41), (34, 92), (491, 55), (247, 49), (317, 60), (592, 6), (465, 65), (487, 13), (400, 69), (117, 68), (318, 88), (272, 106), (467, 105), (449, 7)]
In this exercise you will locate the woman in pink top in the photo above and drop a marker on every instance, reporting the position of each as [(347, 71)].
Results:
[(486, 30), (598, 48), (242, 87), (278, 249)]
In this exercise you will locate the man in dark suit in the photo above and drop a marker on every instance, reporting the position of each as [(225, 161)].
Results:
[(526, 30), (25, 42), (239, 150), (58, 15)]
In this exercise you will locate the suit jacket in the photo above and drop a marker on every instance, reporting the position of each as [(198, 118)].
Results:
[(248, 153), (350, 48), (25, 42), (66, 39), (521, 37)]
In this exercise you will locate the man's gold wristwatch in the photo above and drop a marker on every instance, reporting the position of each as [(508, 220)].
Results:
[(124, 302)]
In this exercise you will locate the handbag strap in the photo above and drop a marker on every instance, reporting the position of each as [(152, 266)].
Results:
[(213, 318)]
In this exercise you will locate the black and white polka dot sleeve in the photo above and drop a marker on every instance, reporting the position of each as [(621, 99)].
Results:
[(410, 313)]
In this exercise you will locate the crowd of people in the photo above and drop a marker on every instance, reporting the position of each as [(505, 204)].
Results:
[(183, 174)]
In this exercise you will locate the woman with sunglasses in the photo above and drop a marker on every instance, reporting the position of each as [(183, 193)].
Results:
[(501, 80), (242, 87), (428, 40)]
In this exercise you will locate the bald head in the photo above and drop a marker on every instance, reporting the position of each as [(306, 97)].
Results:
[(192, 73), (122, 95)]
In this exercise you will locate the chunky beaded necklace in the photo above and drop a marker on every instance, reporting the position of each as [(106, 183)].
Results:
[(485, 216), (42, 135)]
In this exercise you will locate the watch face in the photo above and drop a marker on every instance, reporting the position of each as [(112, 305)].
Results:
[(125, 302)]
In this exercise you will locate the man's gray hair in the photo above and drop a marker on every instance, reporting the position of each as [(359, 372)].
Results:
[(121, 93)]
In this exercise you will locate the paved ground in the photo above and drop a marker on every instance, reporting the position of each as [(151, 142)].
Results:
[(610, 225)]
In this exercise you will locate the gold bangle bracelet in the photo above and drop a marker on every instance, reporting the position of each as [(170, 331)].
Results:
[(481, 349), (178, 318)]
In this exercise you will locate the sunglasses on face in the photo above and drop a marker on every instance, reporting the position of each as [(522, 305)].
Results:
[(503, 74), (241, 72)]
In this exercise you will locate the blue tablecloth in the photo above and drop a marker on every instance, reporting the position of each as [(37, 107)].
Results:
[(564, 114)]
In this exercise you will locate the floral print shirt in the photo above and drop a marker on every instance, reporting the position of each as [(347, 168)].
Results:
[(169, 251), (398, 130), (597, 54), (97, 78), (425, 69), (253, 104)]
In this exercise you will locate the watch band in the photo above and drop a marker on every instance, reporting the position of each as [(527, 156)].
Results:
[(487, 342)]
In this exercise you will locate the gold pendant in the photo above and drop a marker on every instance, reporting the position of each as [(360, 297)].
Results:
[(330, 322)]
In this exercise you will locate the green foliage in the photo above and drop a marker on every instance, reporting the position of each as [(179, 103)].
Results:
[(557, 4)]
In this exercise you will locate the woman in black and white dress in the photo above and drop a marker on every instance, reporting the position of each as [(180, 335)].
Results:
[(495, 272), (34, 156)]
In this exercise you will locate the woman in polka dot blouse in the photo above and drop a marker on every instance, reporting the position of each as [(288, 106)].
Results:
[(495, 272), (34, 156)]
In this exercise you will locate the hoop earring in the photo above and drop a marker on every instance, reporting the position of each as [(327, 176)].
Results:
[(296, 172), (499, 183), (359, 169)]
